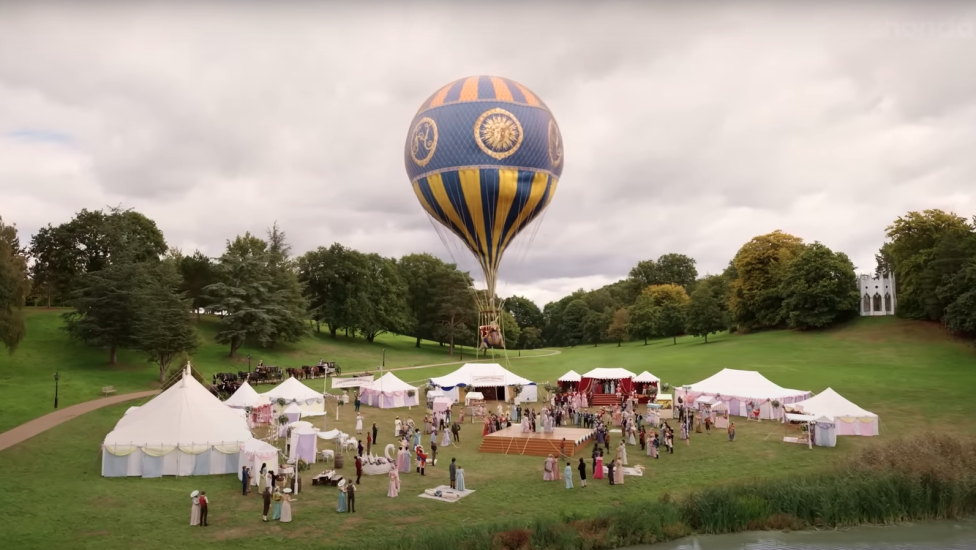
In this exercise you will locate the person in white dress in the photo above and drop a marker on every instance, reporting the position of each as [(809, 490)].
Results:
[(195, 508), (359, 424), (286, 501), (398, 426)]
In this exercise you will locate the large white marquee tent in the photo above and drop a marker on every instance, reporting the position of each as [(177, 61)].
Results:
[(848, 417), (293, 391), (485, 375), (740, 388), (183, 431), (388, 392)]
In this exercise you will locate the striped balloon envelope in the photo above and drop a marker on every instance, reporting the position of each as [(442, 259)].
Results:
[(484, 155)]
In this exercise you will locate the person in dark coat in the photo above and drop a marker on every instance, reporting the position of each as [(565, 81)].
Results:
[(452, 470), (267, 503), (610, 465), (204, 506), (359, 468), (582, 472), (245, 474), (376, 431)]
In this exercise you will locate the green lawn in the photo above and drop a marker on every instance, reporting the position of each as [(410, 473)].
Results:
[(912, 375), (27, 377)]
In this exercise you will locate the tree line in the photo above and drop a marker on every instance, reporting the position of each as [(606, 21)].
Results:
[(776, 281), (129, 290)]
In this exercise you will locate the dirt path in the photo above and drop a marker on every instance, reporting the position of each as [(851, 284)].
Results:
[(40, 425)]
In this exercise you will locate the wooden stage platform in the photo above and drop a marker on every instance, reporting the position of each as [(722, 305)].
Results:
[(511, 441)]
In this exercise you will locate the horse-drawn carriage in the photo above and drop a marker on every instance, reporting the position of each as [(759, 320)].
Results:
[(310, 372)]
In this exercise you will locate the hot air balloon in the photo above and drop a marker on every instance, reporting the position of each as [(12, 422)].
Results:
[(484, 155)]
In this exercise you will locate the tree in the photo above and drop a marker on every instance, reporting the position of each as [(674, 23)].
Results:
[(669, 320), (704, 315), (531, 338), (756, 299), (676, 269), (330, 276), (107, 306), (946, 259), (525, 312), (91, 241), (420, 273), (913, 240), (15, 286), (572, 322), (663, 294), (641, 318), (197, 272), (457, 316), (380, 297), (619, 328), (960, 293), (242, 293), (595, 327), (511, 332), (819, 288), (287, 304), (163, 325)]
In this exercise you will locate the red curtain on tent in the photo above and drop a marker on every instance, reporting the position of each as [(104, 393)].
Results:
[(625, 385)]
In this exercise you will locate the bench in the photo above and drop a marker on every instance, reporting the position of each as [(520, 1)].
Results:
[(108, 390)]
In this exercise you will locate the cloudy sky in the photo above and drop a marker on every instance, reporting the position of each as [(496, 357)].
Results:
[(685, 130)]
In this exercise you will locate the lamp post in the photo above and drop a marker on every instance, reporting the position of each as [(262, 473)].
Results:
[(57, 376), (248, 362), (384, 358)]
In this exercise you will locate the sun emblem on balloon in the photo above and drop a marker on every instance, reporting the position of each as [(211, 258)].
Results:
[(423, 141), (555, 144), (498, 133)]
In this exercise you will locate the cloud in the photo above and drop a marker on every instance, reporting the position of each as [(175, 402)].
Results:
[(686, 130)]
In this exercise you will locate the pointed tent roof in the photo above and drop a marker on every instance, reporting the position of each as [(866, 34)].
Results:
[(185, 415), (480, 375), (292, 390), (246, 396), (571, 376), (745, 383), (292, 409), (388, 383), (646, 377), (609, 374), (832, 404)]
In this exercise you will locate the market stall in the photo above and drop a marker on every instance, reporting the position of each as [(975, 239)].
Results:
[(570, 381), (388, 392), (799, 428), (603, 384), (493, 381), (849, 418)]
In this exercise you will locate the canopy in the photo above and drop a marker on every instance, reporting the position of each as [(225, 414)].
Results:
[(331, 434), (609, 374), (849, 418), (792, 417), (389, 392), (480, 375), (742, 388), (825, 432), (646, 377), (293, 391), (246, 396), (254, 453), (442, 404), (571, 376), (473, 396), (183, 431)]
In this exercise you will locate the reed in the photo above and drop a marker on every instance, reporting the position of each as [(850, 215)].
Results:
[(911, 479)]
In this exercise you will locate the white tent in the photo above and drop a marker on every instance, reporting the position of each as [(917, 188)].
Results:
[(293, 412), (484, 375), (302, 444), (825, 432), (849, 418), (739, 389), (571, 376), (254, 453), (246, 396), (293, 391), (646, 377), (183, 431), (389, 392), (609, 374)]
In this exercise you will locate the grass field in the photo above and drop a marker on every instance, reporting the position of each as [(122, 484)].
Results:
[(910, 374)]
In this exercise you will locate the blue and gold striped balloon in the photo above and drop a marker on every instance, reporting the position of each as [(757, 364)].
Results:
[(484, 155)]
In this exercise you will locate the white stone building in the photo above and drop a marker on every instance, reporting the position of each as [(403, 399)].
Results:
[(877, 294)]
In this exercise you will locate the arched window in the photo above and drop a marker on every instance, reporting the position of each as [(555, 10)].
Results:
[(867, 303), (887, 302), (877, 302)]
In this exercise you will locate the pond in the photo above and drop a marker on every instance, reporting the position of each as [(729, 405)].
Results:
[(946, 535)]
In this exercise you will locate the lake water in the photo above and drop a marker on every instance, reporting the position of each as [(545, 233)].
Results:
[(946, 535)]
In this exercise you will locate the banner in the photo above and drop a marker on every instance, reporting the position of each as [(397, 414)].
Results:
[(488, 380), (339, 383)]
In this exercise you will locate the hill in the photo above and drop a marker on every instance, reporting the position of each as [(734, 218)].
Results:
[(27, 377)]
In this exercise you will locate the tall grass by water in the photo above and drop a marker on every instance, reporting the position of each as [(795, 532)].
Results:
[(912, 479)]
